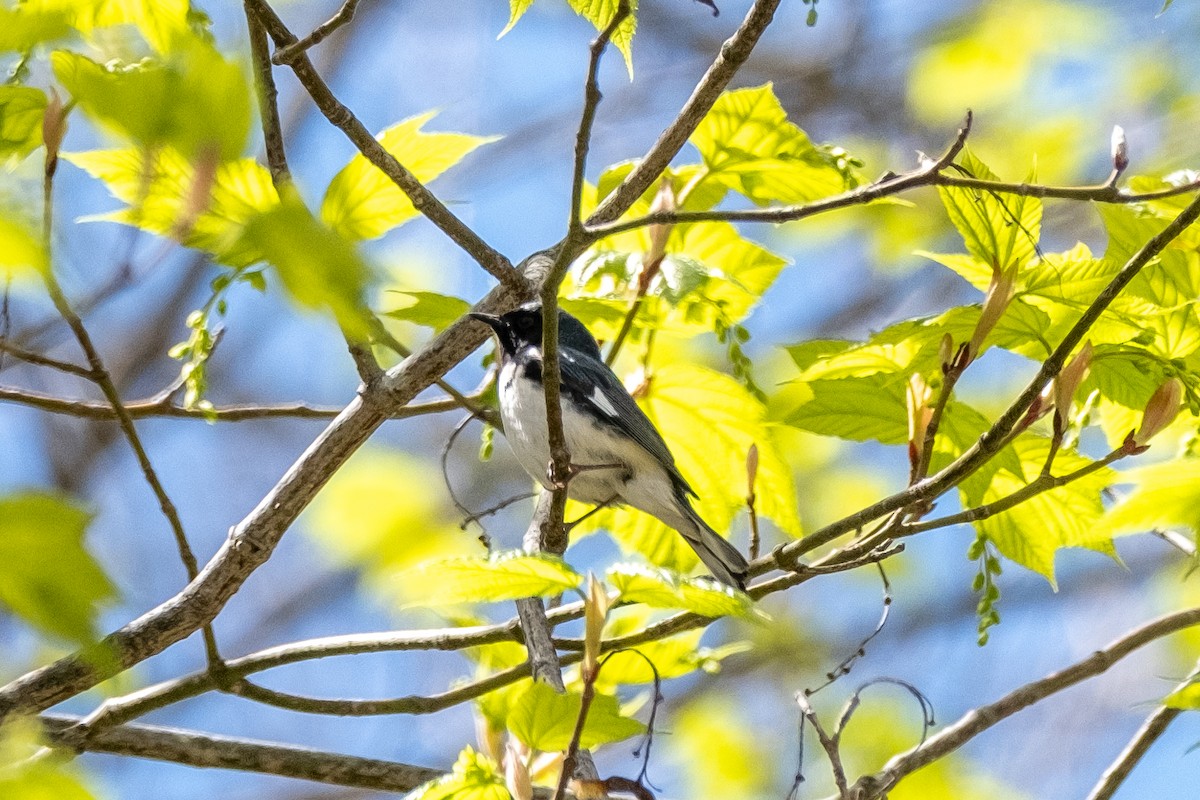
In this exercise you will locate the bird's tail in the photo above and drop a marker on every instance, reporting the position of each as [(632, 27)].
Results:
[(722, 559)]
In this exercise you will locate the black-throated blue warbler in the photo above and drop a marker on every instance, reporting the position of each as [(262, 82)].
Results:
[(617, 455)]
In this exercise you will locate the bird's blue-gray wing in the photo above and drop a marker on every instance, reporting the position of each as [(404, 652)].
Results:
[(591, 383)]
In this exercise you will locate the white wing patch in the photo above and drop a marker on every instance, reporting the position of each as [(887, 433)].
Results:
[(600, 401)]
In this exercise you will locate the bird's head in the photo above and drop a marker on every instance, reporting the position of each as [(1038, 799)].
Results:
[(522, 327)]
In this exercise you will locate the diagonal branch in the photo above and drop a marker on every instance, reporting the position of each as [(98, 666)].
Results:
[(978, 720), (734, 52), (1155, 725), (992, 440), (343, 118), (285, 55)]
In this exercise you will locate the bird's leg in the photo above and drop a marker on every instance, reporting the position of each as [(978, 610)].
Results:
[(574, 470), (571, 525)]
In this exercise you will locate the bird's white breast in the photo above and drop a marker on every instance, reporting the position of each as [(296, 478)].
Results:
[(523, 408)]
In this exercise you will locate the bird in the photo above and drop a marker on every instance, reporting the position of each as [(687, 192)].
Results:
[(618, 457)]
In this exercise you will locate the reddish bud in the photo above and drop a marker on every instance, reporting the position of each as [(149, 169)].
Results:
[(999, 295), (1160, 411), (54, 128), (1067, 383), (1120, 149), (664, 200)]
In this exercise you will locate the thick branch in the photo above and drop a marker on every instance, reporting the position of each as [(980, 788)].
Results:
[(226, 752)]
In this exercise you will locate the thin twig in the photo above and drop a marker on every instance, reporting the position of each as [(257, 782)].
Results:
[(40, 360), (285, 55), (158, 407), (885, 187), (1043, 483), (103, 380)]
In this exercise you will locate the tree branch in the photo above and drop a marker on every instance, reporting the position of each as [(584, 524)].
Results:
[(1154, 727), (226, 752), (992, 440), (974, 722), (40, 360), (342, 118), (734, 52), (158, 407), (287, 54)]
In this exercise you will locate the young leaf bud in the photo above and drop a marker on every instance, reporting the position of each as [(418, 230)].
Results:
[(595, 612), (1160, 412), (1120, 149), (999, 295), (1067, 383), (664, 200), (54, 128), (516, 772), (917, 395), (752, 466)]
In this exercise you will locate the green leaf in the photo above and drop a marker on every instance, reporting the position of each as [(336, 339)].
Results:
[(20, 248), (161, 22), (1068, 516), (749, 145), (1185, 699), (516, 10), (429, 309), (318, 267), (46, 576), (21, 111), (600, 13), (672, 657), (503, 576), (364, 203), (1171, 279), (23, 778), (1164, 496), (709, 421), (27, 25), (998, 229), (360, 520), (194, 101), (855, 408), (545, 720), (474, 777), (660, 588), (157, 189)]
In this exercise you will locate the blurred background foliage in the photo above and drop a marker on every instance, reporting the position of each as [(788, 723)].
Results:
[(880, 79)]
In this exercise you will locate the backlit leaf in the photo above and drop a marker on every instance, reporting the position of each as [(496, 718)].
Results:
[(474, 777), (504, 576), (46, 576), (998, 229), (430, 309), (21, 110), (1032, 532), (156, 190), (749, 145), (1164, 496), (600, 13), (318, 267), (364, 203), (660, 588), (545, 720)]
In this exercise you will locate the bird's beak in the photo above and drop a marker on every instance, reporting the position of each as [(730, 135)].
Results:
[(490, 320)]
